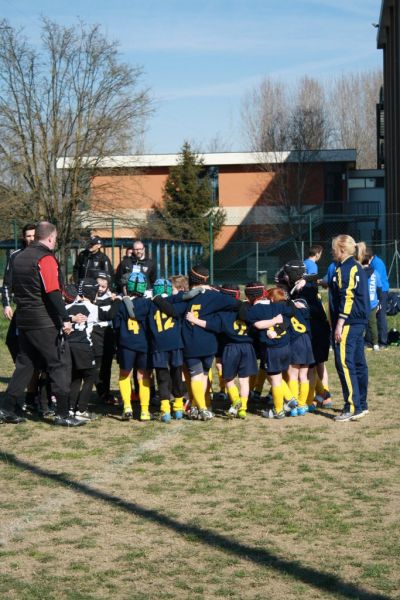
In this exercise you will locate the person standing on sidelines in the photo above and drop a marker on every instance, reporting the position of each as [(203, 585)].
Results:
[(92, 261), (349, 309), (314, 254), (136, 263), (379, 266), (41, 320)]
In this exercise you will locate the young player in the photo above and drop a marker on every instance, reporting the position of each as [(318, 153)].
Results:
[(238, 357), (83, 364), (130, 329), (166, 352), (274, 339), (200, 345), (375, 292), (103, 339)]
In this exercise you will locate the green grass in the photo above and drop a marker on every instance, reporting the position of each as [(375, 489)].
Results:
[(300, 508)]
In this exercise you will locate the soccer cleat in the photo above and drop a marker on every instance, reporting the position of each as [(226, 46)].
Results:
[(68, 421), (272, 414), (127, 415), (145, 416), (85, 415), (205, 415), (290, 405), (324, 401), (302, 410), (292, 413), (344, 416), (311, 408), (10, 417), (193, 413), (242, 413), (166, 418), (234, 409), (178, 414)]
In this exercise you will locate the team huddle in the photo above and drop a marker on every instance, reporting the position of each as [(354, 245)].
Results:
[(170, 336)]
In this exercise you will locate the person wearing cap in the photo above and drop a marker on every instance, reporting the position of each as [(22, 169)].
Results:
[(91, 261), (136, 263)]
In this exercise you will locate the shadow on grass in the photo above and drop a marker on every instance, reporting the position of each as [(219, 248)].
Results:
[(317, 579)]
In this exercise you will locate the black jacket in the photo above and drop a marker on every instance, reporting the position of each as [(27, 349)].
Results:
[(147, 266), (88, 265)]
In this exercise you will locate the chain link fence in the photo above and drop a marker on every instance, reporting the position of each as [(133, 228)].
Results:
[(249, 255)]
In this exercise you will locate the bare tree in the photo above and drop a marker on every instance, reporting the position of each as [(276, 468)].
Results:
[(287, 128), (73, 99), (353, 100)]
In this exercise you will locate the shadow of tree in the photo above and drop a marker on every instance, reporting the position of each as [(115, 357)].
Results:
[(308, 575)]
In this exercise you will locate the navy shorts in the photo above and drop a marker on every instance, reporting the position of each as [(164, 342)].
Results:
[(130, 359), (202, 364), (166, 359), (320, 341), (301, 350), (275, 359), (239, 360)]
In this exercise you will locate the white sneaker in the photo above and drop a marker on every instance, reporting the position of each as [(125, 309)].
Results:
[(376, 348), (85, 415)]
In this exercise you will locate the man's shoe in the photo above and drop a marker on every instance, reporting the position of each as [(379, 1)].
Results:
[(7, 416), (344, 416), (358, 416), (205, 415), (68, 421)]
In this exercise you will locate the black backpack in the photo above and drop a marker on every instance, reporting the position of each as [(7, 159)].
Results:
[(393, 304)]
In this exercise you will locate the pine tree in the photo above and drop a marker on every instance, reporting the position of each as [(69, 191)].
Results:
[(188, 203)]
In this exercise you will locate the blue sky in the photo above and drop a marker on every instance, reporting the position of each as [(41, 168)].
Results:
[(201, 57)]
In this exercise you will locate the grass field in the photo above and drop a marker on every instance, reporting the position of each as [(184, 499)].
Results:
[(302, 508)]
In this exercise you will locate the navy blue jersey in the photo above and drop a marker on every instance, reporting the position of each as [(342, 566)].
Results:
[(232, 330), (197, 341), (132, 333), (261, 312), (349, 295), (165, 331)]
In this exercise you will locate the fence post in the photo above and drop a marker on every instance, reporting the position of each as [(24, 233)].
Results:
[(211, 248), (112, 240), (397, 263), (257, 265), (15, 234)]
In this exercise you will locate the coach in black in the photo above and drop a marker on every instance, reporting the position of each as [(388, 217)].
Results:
[(92, 261), (41, 320), (137, 263)]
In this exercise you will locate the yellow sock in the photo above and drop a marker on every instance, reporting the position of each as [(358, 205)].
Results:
[(277, 396), (233, 394), (178, 404), (165, 407), (261, 377), (144, 394), (303, 394), (294, 388), (125, 387), (311, 394), (287, 394), (243, 402), (198, 394)]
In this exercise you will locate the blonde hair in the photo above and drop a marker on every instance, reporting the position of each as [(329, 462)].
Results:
[(361, 251), (345, 243), (180, 282)]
